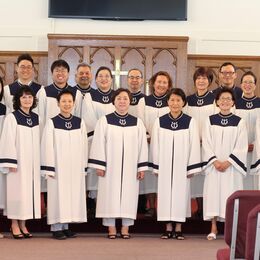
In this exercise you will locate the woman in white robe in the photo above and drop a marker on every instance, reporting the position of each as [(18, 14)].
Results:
[(20, 156), (200, 106), (3, 113), (224, 152), (120, 156), (248, 108), (149, 108), (64, 163), (96, 104), (175, 149)]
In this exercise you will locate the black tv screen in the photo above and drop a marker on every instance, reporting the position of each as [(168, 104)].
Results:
[(119, 9)]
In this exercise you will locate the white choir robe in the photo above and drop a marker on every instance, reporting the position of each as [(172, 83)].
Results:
[(119, 148), (64, 162), (133, 108), (255, 167), (249, 109), (10, 91), (149, 108), (20, 149), (223, 138), (48, 108), (200, 108), (95, 105), (175, 149), (3, 112)]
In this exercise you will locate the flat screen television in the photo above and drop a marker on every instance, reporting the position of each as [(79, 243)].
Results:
[(119, 9)]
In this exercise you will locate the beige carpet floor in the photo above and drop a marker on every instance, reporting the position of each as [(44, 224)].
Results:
[(97, 246)]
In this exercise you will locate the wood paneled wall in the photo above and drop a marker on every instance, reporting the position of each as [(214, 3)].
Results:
[(243, 63)]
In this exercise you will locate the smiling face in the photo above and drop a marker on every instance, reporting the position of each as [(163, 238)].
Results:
[(26, 102), (134, 81), (227, 76), (122, 103), (60, 76), (83, 76), (225, 102), (175, 104), (25, 70), (161, 85), (202, 83), (66, 104), (104, 80), (248, 86)]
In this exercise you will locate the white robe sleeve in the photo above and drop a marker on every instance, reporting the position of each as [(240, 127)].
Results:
[(8, 150), (143, 148), (155, 148), (255, 167), (85, 145), (208, 155), (194, 163), (238, 156), (97, 158), (47, 150), (42, 108)]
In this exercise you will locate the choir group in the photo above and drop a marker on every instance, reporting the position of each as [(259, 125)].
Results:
[(116, 144)]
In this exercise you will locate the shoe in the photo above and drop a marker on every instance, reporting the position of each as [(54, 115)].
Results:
[(26, 235), (150, 213), (125, 236), (58, 235), (111, 236), (212, 236), (1, 236), (16, 236), (167, 235), (178, 235), (69, 234)]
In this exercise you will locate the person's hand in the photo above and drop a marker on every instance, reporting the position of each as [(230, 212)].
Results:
[(140, 175), (12, 169), (218, 166), (225, 165), (100, 173), (250, 147)]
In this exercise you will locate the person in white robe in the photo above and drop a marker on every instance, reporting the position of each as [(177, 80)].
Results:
[(224, 153), (248, 108), (255, 166), (3, 112), (25, 76), (64, 158), (175, 157), (20, 158), (96, 104), (120, 156), (150, 108), (200, 106)]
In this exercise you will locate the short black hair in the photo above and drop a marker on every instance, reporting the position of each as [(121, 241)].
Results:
[(118, 91), (225, 90), (2, 88), (104, 68), (178, 92), (227, 64), (24, 89), (136, 70), (65, 92), (204, 72), (60, 63), (25, 56), (83, 64), (249, 73)]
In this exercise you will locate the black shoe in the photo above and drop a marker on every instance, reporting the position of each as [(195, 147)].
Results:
[(16, 236), (26, 235), (58, 235), (69, 234), (167, 235)]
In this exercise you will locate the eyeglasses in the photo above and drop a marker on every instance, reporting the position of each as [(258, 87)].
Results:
[(248, 82), (22, 67), (133, 77), (227, 73), (228, 99)]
